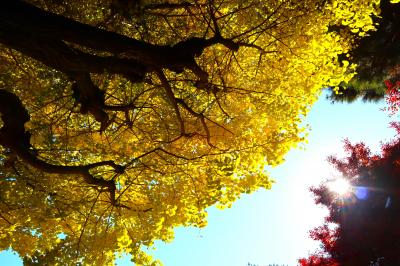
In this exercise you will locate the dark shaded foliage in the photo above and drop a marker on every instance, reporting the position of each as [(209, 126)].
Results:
[(377, 57)]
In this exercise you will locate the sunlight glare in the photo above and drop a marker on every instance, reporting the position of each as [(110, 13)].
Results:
[(340, 186)]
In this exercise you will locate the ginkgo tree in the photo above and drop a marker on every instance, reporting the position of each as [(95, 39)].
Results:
[(121, 120)]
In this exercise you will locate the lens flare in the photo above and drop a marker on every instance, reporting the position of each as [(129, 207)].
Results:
[(361, 193)]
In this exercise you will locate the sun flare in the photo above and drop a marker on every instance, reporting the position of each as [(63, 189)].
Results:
[(340, 186)]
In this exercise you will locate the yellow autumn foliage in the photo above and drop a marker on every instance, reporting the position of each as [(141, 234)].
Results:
[(244, 123)]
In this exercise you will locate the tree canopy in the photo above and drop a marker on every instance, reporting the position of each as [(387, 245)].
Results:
[(122, 120), (367, 217)]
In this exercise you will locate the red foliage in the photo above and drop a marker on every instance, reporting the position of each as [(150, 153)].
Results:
[(392, 96), (318, 260), (368, 219)]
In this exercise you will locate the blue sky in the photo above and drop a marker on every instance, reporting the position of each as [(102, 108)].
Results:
[(272, 226)]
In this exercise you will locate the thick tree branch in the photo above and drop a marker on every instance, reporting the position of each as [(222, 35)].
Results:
[(17, 16), (44, 36), (90, 97), (57, 54)]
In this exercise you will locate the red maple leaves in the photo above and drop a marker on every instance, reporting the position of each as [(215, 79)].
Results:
[(392, 96)]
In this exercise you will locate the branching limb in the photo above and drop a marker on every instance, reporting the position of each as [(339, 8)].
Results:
[(199, 116), (52, 39), (14, 137), (172, 100)]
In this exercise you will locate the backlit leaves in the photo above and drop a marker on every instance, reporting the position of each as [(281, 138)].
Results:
[(185, 145)]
